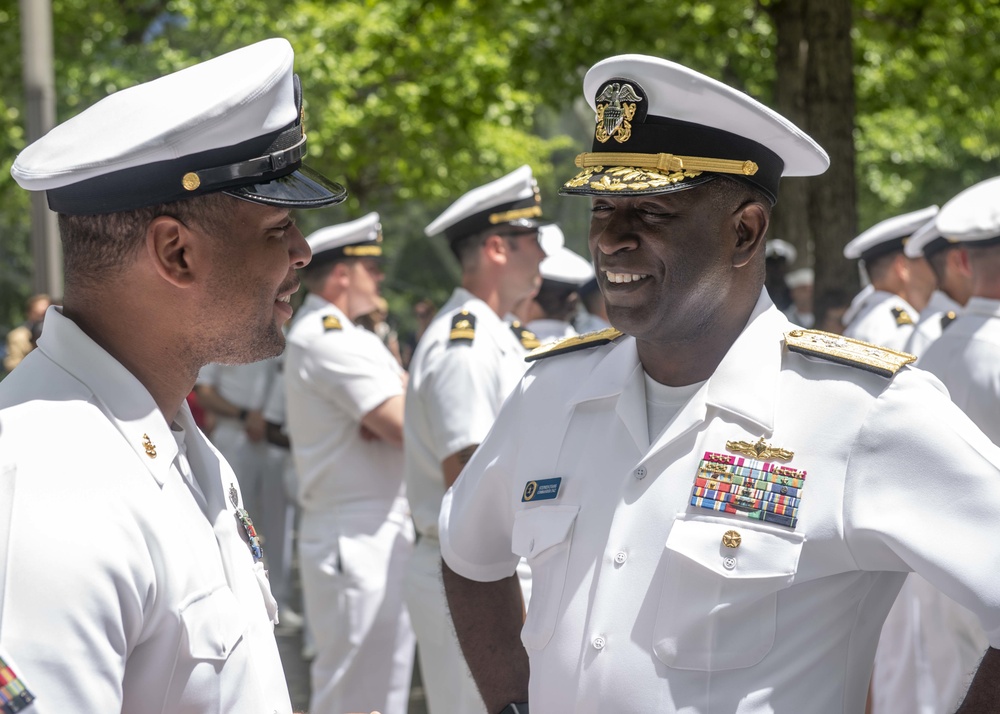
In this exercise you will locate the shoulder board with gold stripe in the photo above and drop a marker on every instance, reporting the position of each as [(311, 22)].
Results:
[(902, 316), (844, 350), (332, 322), (948, 318), (572, 344), (463, 328), (526, 337)]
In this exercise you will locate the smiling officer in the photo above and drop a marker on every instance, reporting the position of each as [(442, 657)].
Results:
[(718, 507)]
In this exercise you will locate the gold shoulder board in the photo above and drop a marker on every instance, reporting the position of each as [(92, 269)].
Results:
[(845, 350), (948, 318), (463, 328), (902, 316), (331, 322), (572, 344), (526, 337)]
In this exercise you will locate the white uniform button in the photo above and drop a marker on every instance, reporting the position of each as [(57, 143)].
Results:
[(729, 563), (640, 473), (621, 557), (599, 643)]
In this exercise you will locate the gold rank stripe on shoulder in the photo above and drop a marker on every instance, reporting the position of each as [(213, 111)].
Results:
[(902, 316), (844, 350), (463, 328), (572, 344), (332, 322)]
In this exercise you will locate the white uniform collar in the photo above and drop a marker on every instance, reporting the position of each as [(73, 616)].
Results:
[(126, 402), (744, 382), (987, 307), (939, 302), (315, 303)]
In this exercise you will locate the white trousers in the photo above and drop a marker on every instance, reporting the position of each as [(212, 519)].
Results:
[(353, 566), (447, 681)]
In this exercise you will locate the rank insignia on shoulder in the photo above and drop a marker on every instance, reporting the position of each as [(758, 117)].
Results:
[(902, 316), (526, 337), (14, 694), (332, 322), (948, 318), (463, 328), (844, 350), (572, 344)]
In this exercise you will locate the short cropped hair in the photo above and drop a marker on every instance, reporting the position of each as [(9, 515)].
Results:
[(98, 247)]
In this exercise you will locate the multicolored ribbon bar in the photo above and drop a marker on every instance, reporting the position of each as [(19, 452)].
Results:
[(14, 696), (252, 539), (757, 490)]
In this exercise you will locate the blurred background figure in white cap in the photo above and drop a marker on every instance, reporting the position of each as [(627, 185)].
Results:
[(885, 312), (949, 261), (800, 289), (930, 645), (174, 201), (345, 396), (779, 257), (463, 368), (550, 313)]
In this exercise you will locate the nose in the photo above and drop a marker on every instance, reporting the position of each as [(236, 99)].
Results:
[(615, 233), (299, 252)]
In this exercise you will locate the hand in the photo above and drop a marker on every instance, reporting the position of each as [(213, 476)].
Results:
[(255, 426)]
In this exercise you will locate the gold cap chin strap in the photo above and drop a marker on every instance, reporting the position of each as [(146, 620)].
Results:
[(665, 162)]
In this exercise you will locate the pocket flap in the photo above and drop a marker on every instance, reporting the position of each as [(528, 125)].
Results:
[(538, 529), (213, 624), (760, 554)]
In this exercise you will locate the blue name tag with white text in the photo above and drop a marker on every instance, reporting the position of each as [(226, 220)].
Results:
[(541, 490)]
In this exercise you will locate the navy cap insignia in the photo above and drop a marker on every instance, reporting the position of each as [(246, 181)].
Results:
[(902, 316), (463, 328), (331, 322), (616, 104), (844, 350)]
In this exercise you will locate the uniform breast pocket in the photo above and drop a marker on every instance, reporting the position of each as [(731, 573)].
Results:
[(718, 602), (213, 625), (542, 535)]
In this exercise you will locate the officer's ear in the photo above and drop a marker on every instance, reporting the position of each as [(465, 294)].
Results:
[(750, 223), (171, 248), (495, 248)]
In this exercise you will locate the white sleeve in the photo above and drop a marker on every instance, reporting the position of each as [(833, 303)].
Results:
[(460, 393), (922, 493), (477, 515), (351, 370)]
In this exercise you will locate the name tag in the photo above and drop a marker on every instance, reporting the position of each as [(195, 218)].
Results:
[(541, 490)]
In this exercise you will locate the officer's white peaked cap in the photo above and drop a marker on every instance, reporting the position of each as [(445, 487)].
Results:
[(355, 239), (663, 127), (777, 248), (925, 241), (551, 238), (800, 278), (566, 267), (233, 123), (889, 235), (511, 200), (973, 216)]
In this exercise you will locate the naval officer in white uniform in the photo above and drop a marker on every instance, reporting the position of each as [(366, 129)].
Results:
[(885, 312), (464, 367), (549, 314), (132, 573), (718, 507), (345, 394)]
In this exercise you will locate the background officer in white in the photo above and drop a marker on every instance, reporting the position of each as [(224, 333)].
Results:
[(133, 579), (885, 312), (344, 394), (949, 260), (718, 507), (549, 314), (465, 365)]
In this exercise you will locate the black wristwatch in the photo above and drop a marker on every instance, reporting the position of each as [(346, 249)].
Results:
[(515, 708), (243, 414)]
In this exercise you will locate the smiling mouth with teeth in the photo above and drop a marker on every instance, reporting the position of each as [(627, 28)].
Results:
[(623, 277)]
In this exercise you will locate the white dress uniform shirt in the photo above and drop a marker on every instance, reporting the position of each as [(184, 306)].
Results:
[(246, 386), (454, 395), (640, 600), (128, 585), (355, 536), (550, 330), (877, 320), (967, 359), (930, 326)]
